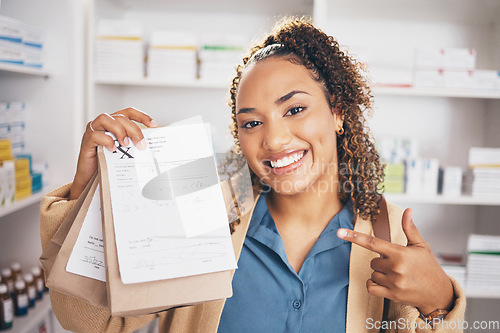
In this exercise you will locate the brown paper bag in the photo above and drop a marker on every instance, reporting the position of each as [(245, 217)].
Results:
[(141, 298), (91, 290), (48, 256)]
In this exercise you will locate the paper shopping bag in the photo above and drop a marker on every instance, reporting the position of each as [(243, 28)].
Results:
[(48, 256), (91, 290), (147, 297)]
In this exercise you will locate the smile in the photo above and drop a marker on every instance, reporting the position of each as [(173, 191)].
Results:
[(283, 162), (287, 160)]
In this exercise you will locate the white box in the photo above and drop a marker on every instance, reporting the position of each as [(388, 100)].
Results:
[(429, 78), (446, 58), (4, 130), (485, 157), (452, 181), (43, 168), (3, 186), (17, 128), (32, 46), (430, 176), (10, 29), (459, 59), (488, 80), (414, 168), (10, 173), (119, 28), (119, 52), (171, 38), (458, 79), (33, 57), (391, 77), (429, 58), (17, 106), (11, 53), (10, 41), (32, 36), (219, 56)]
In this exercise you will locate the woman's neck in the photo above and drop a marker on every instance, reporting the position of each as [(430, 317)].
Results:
[(308, 209), (300, 219)]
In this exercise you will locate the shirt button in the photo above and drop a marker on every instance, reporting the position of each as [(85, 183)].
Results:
[(297, 304)]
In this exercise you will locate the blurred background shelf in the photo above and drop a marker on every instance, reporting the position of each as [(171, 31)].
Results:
[(478, 293), (443, 200), (19, 69), (436, 92), (35, 198), (20, 204), (167, 84), (389, 91), (37, 316)]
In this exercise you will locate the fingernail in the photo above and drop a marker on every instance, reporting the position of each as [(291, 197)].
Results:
[(153, 124), (112, 149), (342, 233), (126, 142), (142, 144)]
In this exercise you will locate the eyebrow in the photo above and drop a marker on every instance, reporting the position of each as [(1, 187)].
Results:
[(286, 97), (280, 100), (245, 110)]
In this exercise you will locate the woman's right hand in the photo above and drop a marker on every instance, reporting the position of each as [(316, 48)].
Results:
[(121, 125)]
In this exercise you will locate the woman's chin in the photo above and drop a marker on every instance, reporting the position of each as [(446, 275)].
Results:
[(288, 187)]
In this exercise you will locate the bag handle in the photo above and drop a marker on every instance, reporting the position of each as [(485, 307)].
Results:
[(382, 230)]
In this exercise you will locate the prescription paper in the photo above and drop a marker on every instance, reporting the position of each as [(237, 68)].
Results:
[(87, 257), (168, 210)]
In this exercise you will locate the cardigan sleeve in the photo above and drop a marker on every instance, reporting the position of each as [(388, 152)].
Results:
[(73, 313), (406, 318)]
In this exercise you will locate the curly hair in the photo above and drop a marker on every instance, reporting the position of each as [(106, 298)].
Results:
[(360, 169)]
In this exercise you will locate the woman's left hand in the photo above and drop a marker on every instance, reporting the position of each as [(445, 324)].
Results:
[(407, 274)]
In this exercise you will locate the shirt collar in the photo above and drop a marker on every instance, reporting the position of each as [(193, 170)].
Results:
[(263, 228)]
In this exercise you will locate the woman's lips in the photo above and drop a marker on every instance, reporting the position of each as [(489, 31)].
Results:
[(287, 163)]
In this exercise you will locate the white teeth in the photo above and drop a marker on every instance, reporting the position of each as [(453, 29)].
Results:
[(287, 160)]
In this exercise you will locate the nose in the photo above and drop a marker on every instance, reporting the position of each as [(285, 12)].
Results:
[(276, 136)]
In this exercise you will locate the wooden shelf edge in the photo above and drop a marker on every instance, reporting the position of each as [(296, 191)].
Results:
[(20, 69), (443, 200)]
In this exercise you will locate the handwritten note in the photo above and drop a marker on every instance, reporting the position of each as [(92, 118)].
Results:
[(168, 210), (87, 257)]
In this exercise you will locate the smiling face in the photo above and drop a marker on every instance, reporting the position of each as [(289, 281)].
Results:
[(286, 128)]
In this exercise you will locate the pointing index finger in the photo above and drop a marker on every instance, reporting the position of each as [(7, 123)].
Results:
[(368, 242)]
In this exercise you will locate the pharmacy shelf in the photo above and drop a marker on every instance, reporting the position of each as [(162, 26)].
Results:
[(443, 200), (389, 91), (19, 69), (478, 293), (436, 92), (170, 84), (23, 203), (35, 316), (275, 7)]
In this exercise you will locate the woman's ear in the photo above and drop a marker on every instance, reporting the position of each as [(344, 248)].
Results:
[(339, 118)]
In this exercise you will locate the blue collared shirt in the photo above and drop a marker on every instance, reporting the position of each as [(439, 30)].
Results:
[(269, 296)]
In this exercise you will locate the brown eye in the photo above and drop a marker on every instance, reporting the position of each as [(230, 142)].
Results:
[(294, 111), (251, 124)]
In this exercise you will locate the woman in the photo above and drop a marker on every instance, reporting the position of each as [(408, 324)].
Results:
[(297, 108)]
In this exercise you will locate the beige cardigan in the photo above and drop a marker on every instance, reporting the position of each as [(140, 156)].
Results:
[(364, 311)]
